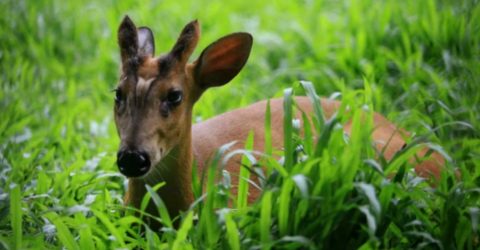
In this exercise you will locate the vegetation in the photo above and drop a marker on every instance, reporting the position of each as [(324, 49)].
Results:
[(416, 62)]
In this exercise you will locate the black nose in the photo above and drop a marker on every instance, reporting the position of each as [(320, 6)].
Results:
[(133, 163)]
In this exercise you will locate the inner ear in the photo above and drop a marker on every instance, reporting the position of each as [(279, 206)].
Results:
[(222, 60), (146, 42)]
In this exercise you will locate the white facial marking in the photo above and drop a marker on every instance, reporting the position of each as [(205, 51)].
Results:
[(144, 84)]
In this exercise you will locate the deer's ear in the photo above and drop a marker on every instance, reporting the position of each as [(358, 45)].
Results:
[(222, 60), (127, 40), (186, 42), (146, 42)]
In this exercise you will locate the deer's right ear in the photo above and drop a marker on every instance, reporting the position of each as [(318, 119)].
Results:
[(127, 40), (222, 60)]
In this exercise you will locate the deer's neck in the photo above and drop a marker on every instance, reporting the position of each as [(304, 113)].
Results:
[(175, 171)]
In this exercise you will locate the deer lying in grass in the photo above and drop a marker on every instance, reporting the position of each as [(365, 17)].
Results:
[(153, 114)]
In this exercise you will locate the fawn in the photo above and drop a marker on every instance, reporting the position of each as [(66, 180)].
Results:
[(153, 114)]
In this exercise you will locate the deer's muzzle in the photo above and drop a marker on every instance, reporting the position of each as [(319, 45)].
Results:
[(133, 163)]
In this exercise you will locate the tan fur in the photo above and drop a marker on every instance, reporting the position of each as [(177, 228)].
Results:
[(173, 143), (149, 68), (235, 126)]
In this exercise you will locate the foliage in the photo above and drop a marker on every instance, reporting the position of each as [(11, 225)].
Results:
[(417, 62)]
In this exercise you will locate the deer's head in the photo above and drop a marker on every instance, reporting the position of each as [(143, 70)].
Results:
[(155, 95)]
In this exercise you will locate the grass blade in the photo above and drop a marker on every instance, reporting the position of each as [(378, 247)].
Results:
[(112, 228), (162, 209), (265, 218), (232, 232), (284, 206), (243, 184), (288, 128), (268, 131), (180, 240), (63, 232), (16, 215), (316, 103)]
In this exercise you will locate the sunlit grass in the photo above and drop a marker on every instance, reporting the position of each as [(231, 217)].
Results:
[(416, 62)]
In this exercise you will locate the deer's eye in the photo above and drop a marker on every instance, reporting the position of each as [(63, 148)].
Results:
[(118, 95), (174, 97)]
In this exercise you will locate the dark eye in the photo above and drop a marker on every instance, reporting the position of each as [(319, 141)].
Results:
[(174, 97), (118, 95)]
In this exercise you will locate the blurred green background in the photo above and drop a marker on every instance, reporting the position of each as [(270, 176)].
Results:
[(59, 61)]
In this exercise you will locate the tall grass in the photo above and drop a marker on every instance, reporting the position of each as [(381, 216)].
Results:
[(416, 62)]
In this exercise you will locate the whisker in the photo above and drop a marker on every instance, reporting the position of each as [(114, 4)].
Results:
[(171, 157)]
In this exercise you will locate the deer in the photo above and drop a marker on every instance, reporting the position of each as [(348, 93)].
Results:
[(154, 100)]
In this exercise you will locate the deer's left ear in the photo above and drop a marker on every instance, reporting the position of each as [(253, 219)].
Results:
[(222, 60)]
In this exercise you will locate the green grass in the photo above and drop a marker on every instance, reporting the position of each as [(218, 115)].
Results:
[(416, 62)]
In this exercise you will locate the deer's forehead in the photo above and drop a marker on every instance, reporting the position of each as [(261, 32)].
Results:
[(146, 74), (156, 75), (157, 67), (144, 84), (148, 69)]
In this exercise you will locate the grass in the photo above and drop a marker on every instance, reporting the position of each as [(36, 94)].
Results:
[(416, 62)]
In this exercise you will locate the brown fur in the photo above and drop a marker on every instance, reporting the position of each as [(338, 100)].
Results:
[(169, 137)]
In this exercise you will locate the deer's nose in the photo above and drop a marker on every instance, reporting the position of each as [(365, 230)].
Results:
[(133, 163)]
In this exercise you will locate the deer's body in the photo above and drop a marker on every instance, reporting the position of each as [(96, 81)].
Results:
[(153, 114)]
